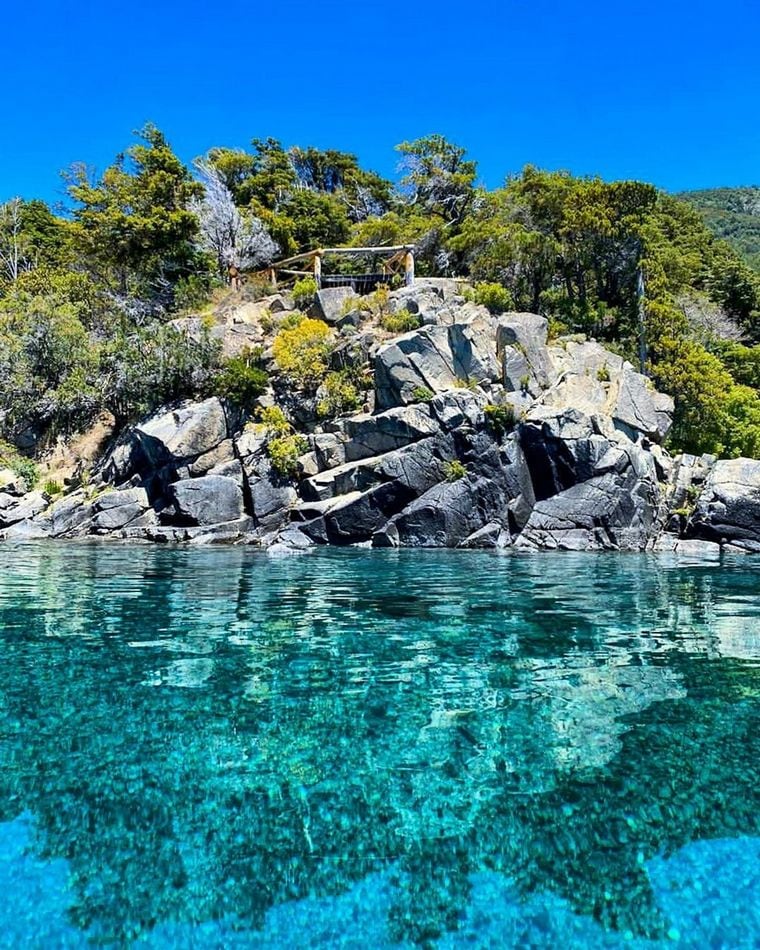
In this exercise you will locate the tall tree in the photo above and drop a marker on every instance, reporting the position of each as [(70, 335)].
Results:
[(133, 225)]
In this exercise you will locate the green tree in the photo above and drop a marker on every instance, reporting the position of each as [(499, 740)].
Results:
[(133, 225)]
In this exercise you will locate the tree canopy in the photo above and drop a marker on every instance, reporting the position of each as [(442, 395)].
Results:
[(634, 267)]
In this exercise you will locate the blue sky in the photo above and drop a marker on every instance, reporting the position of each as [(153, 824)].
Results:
[(664, 91)]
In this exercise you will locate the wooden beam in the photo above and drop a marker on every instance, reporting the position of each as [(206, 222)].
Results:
[(318, 269), (409, 268)]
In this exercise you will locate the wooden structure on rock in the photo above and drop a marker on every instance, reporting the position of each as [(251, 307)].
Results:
[(397, 260)]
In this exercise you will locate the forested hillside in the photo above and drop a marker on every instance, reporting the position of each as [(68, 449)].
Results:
[(732, 214), (88, 293)]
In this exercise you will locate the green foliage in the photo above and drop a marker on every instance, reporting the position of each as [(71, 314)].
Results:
[(494, 297), (454, 470), (734, 215), (52, 488), (284, 451), (241, 380), (133, 225), (500, 419), (24, 467), (304, 292), (400, 322), (302, 352), (193, 292), (145, 367), (340, 394), (422, 394), (274, 421)]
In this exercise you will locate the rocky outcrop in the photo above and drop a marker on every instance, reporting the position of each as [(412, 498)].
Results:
[(484, 434)]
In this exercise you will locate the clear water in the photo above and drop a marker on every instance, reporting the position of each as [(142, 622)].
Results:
[(214, 748)]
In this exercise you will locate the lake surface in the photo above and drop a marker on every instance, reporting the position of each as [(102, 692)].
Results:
[(375, 749)]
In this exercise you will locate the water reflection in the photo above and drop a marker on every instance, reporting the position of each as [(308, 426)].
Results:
[(215, 744)]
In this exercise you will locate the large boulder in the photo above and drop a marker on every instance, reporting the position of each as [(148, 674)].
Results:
[(116, 509), (168, 439), (332, 303), (208, 500), (728, 508), (610, 511), (435, 358)]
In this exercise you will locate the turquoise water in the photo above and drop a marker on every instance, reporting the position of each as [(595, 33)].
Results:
[(375, 749)]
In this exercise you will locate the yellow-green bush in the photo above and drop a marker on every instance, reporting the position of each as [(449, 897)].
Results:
[(301, 352)]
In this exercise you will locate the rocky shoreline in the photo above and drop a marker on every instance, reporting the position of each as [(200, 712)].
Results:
[(483, 434)]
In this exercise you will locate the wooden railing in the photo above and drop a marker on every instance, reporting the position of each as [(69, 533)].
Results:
[(396, 259)]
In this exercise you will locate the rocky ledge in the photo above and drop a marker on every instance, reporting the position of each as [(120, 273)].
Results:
[(483, 434)]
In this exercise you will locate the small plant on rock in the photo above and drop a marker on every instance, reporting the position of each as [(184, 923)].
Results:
[(301, 352), (51, 488), (603, 374), (284, 451), (304, 292), (422, 394), (454, 470), (400, 322), (339, 394), (494, 297), (241, 380), (500, 419)]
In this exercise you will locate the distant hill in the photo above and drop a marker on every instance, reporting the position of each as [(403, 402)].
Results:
[(732, 214)]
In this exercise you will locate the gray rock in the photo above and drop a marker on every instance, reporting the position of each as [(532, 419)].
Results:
[(728, 507), (11, 483), (607, 512), (332, 303), (435, 358), (26, 507), (211, 499)]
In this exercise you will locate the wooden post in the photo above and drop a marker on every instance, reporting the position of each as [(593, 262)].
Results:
[(409, 267), (272, 276), (318, 269)]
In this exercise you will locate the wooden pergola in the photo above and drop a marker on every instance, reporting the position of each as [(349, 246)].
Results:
[(396, 259)]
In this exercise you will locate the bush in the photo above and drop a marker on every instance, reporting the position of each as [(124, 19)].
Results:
[(22, 466), (241, 381), (495, 297), (400, 322), (283, 452), (274, 420), (339, 394), (301, 352), (52, 488), (146, 367), (603, 374), (454, 470), (192, 292), (499, 419), (304, 292), (422, 394)]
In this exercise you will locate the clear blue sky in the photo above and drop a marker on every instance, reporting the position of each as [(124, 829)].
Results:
[(662, 90)]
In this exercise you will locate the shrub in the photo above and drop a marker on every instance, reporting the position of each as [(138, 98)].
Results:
[(52, 488), (466, 382), (340, 394), (241, 381), (400, 322), (454, 470), (500, 419), (304, 292), (274, 420), (192, 292), (22, 466), (494, 297), (301, 352), (283, 452), (422, 394), (603, 374)]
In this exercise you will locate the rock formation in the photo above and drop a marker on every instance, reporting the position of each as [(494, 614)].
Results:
[(484, 433)]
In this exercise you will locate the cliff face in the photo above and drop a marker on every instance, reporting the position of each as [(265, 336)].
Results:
[(483, 434)]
